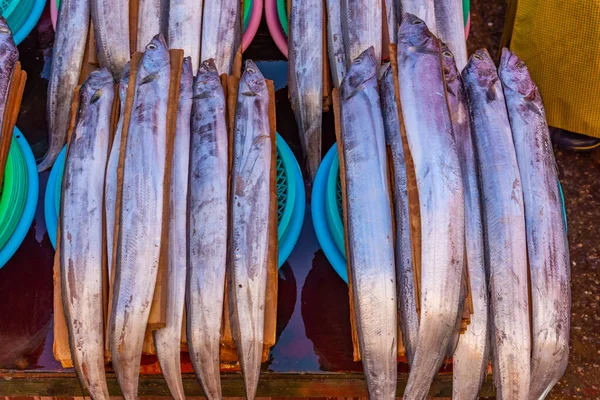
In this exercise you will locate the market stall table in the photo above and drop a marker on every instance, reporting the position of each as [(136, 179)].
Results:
[(313, 354)]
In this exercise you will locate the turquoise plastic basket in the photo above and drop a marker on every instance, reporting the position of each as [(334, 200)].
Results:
[(290, 196), (31, 198), (21, 16)]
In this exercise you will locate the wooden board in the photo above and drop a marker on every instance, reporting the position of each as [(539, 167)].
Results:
[(14, 95)]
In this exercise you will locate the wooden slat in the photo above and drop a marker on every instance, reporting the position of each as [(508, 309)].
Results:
[(270, 385), (60, 347), (14, 96)]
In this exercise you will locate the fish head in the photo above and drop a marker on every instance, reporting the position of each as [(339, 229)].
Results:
[(187, 77), (252, 82), (450, 70), (387, 73), (414, 36), (481, 70), (98, 84), (515, 75), (362, 69), (156, 55), (207, 80)]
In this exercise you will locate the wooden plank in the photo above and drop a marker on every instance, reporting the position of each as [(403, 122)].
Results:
[(60, 346), (340, 147), (11, 111), (270, 385)]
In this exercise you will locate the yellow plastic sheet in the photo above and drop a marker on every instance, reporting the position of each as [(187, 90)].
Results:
[(559, 40)]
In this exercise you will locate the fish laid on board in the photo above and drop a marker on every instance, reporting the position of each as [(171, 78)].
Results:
[(141, 216), (81, 244), (451, 29), (335, 41), (185, 26), (370, 225), (407, 301), (546, 231), (67, 57), (470, 359), (9, 55), (424, 9), (306, 77), (249, 228), (362, 25), (221, 33), (168, 339), (441, 199), (152, 19), (504, 227), (111, 27), (207, 228), (110, 189)]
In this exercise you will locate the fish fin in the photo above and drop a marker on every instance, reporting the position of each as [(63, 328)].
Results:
[(148, 78), (96, 96), (201, 96)]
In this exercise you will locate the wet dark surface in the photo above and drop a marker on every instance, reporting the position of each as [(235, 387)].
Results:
[(313, 327)]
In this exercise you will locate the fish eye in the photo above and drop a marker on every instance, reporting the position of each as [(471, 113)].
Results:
[(520, 64), (251, 70), (417, 22), (151, 46), (447, 54), (4, 29), (477, 57)]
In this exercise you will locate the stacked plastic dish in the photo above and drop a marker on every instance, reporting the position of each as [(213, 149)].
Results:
[(252, 16), (22, 16), (18, 197), (290, 195)]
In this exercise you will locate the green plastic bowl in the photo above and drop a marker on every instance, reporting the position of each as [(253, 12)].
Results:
[(14, 192)]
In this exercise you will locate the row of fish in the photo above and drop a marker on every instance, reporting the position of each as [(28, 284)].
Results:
[(351, 27), (488, 203), (208, 29), (205, 229)]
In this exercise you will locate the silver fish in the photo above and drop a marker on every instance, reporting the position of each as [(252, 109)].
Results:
[(67, 58), (370, 232), (168, 339), (441, 198), (140, 224), (81, 246), (221, 32), (424, 9), (249, 228), (407, 301), (547, 244), (335, 41), (207, 232), (362, 26), (504, 228), (392, 19), (450, 25), (185, 26), (111, 27), (110, 189), (470, 359), (9, 55), (152, 20), (306, 77)]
